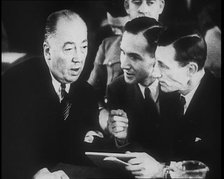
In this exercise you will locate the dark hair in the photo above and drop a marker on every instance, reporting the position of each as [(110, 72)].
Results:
[(188, 43), (150, 28), (115, 8), (52, 19)]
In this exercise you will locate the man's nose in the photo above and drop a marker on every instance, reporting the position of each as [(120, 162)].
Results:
[(143, 8), (76, 56), (156, 73), (125, 62)]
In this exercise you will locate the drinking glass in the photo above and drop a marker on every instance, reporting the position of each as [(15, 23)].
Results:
[(189, 169)]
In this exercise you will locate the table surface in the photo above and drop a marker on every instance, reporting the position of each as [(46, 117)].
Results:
[(84, 172)]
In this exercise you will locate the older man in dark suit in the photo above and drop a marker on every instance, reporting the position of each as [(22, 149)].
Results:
[(47, 110)]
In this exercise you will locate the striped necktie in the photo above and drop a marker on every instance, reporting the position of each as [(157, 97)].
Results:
[(65, 103)]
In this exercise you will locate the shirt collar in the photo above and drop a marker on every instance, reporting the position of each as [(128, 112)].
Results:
[(57, 86), (154, 88), (188, 97)]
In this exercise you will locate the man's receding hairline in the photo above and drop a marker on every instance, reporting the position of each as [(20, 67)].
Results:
[(72, 17)]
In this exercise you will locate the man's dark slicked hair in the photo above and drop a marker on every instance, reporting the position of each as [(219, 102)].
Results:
[(52, 19), (150, 28), (188, 43)]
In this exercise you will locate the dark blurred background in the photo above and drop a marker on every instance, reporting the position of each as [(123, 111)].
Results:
[(23, 21)]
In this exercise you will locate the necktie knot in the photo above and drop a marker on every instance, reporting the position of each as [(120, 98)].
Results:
[(182, 100), (63, 92), (147, 93)]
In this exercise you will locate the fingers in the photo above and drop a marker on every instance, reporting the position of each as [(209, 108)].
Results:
[(128, 152), (137, 174), (41, 173), (118, 112), (134, 161), (60, 175), (119, 124), (118, 129), (46, 174), (115, 118), (135, 168)]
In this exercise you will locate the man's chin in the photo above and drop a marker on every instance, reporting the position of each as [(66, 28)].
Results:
[(72, 78), (166, 89), (129, 80)]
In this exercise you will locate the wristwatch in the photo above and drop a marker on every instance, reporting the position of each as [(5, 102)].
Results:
[(166, 170)]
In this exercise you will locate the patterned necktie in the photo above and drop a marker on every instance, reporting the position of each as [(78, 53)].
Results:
[(65, 103)]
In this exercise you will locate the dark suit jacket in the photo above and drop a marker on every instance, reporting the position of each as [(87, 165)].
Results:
[(197, 136), (166, 137), (144, 132), (34, 135)]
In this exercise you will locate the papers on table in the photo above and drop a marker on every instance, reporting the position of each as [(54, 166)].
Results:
[(110, 160)]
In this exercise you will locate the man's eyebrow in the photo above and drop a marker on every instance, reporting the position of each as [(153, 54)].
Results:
[(134, 55), (85, 41), (68, 43), (162, 64), (131, 53), (72, 43)]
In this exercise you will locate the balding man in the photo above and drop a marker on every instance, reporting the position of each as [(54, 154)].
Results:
[(46, 110)]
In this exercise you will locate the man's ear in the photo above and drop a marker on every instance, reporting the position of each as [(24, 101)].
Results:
[(126, 6), (192, 68), (46, 49), (161, 6)]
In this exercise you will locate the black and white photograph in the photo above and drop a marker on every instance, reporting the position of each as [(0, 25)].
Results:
[(111, 89)]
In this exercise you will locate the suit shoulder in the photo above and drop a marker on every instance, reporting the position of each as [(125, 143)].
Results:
[(86, 85), (211, 83), (22, 71), (119, 82), (83, 88)]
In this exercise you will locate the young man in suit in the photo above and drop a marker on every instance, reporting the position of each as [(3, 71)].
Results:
[(134, 99), (107, 65), (193, 131), (47, 110)]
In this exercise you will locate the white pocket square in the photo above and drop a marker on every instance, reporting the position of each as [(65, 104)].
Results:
[(89, 137), (197, 139)]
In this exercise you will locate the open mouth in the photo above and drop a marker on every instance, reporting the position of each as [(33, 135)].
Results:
[(129, 74), (162, 83), (75, 71)]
